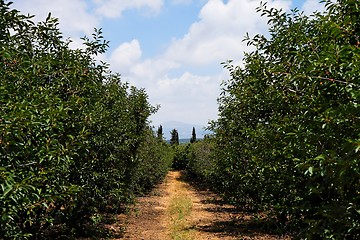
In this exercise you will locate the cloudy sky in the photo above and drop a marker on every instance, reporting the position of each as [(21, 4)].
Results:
[(172, 48)]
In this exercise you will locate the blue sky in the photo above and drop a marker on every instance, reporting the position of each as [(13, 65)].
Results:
[(172, 48)]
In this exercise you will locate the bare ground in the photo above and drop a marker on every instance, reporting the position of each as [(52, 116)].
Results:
[(208, 219)]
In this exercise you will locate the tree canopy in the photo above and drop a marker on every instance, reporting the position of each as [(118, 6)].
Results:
[(193, 136), (74, 138), (287, 137), (160, 134), (174, 140)]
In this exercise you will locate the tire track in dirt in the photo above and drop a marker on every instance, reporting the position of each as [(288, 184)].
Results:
[(150, 218)]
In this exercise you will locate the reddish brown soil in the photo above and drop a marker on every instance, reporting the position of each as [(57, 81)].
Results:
[(209, 219)]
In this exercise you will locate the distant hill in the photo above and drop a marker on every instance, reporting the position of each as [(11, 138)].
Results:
[(182, 140), (184, 130)]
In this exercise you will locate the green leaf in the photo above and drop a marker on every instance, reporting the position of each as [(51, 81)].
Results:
[(311, 169)]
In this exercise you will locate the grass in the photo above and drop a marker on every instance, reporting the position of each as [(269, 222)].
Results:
[(179, 210)]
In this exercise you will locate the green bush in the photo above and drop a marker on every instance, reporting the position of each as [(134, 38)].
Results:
[(154, 161), (287, 138), (180, 158), (200, 160), (72, 135)]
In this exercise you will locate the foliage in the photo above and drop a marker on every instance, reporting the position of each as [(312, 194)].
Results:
[(160, 133), (200, 160), (180, 159), (72, 135), (193, 136), (174, 140), (155, 159), (287, 139), (196, 158)]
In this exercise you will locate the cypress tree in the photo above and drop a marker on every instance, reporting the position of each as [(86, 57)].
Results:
[(174, 137), (160, 134), (193, 136)]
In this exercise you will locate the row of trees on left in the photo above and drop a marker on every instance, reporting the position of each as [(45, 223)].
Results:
[(74, 139)]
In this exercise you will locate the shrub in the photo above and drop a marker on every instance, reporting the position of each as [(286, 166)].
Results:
[(180, 159), (287, 138), (71, 133), (200, 160)]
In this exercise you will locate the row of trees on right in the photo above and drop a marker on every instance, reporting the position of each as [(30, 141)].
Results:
[(287, 138)]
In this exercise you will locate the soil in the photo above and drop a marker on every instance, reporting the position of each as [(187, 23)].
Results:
[(209, 219)]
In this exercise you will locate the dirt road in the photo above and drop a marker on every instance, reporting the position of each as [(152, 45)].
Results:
[(175, 210)]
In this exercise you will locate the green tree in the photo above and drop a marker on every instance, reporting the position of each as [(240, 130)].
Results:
[(160, 134), (174, 140), (193, 136), (156, 159), (200, 161), (287, 137), (72, 135), (180, 157)]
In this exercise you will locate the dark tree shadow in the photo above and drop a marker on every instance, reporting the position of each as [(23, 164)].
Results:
[(87, 231), (242, 223)]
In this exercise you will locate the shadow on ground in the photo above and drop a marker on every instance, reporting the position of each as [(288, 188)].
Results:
[(108, 226), (238, 223)]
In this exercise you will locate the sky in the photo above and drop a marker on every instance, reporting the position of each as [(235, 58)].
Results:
[(171, 48)]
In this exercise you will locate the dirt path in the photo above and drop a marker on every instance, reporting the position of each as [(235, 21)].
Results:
[(175, 210)]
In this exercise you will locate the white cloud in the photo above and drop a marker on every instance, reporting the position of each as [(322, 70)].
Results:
[(125, 56), (218, 34), (310, 6), (74, 18), (151, 69), (115, 8), (215, 37), (189, 98), (77, 18)]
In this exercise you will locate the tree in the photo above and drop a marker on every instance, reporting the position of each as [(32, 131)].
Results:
[(160, 134), (73, 136), (193, 136), (174, 140), (287, 137)]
